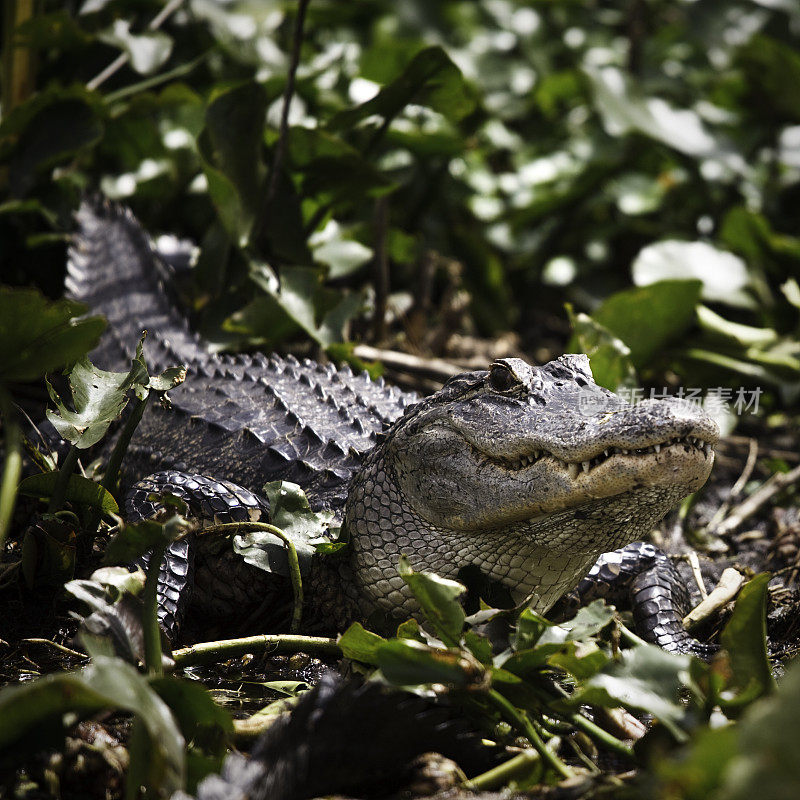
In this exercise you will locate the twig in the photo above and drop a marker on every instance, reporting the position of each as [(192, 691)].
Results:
[(759, 498), (275, 644), (728, 587), (694, 563), (122, 59), (736, 490), (437, 368), (60, 647), (280, 146), (752, 456)]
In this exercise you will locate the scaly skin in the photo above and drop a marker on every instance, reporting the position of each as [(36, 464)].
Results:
[(528, 473)]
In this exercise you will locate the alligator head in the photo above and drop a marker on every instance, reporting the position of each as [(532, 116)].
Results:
[(528, 473)]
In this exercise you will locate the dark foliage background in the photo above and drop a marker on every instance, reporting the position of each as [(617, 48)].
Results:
[(449, 166)]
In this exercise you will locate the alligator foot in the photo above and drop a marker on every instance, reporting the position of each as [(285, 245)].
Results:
[(211, 502), (644, 577)]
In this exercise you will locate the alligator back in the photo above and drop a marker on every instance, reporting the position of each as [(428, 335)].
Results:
[(248, 419)]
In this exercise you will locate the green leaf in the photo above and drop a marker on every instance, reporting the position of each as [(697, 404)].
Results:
[(769, 67), (643, 678), (724, 276), (530, 626), (39, 336), (231, 148), (609, 356), (745, 639), (438, 599), (648, 318), (406, 662), (360, 644), (291, 512), (205, 726), (34, 715), (430, 78), (80, 490), (98, 398), (341, 256), (132, 541), (50, 128), (623, 109), (766, 763), (168, 379), (146, 51), (300, 298)]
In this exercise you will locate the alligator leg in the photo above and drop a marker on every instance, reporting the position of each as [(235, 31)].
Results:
[(644, 576), (211, 502)]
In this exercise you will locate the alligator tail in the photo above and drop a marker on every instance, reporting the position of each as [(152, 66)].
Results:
[(114, 269)]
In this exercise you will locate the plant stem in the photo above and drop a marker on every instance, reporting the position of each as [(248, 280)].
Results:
[(62, 481), (602, 736), (520, 720), (152, 631), (291, 555), (280, 146), (120, 448), (499, 776), (275, 644), (12, 466)]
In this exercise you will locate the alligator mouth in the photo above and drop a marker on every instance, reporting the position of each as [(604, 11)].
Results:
[(693, 445)]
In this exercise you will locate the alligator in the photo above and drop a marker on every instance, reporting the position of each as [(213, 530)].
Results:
[(527, 474)]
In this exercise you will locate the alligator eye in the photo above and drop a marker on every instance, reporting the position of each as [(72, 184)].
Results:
[(501, 378)]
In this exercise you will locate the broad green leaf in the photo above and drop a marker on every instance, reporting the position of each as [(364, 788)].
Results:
[(608, 355), (406, 662), (623, 109), (643, 678), (38, 335), (146, 51), (55, 126), (530, 626), (588, 622), (34, 713), (724, 276), (430, 78), (648, 318), (231, 148), (342, 256), (80, 490), (438, 598), (770, 66), (745, 639), (301, 300), (49, 553), (289, 511), (206, 726), (766, 763), (98, 398), (132, 541), (360, 644)]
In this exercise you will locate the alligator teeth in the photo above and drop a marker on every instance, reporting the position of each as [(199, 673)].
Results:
[(657, 448), (605, 453), (585, 465), (573, 470), (707, 449)]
